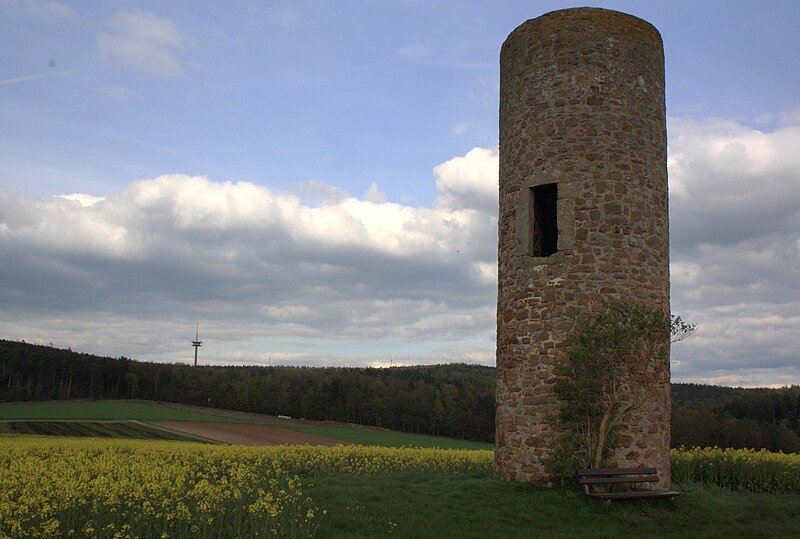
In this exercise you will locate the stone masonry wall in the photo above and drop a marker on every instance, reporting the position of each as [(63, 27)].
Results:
[(582, 106)]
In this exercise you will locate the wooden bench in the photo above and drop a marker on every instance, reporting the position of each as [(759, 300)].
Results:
[(621, 476)]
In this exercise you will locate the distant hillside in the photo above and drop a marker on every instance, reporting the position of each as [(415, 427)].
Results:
[(446, 400), (454, 400)]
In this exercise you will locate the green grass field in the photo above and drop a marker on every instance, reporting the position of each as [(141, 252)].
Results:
[(443, 506), (389, 438), (25, 413), (101, 411)]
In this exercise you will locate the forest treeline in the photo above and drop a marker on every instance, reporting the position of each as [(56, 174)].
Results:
[(448, 400), (455, 400), (736, 417)]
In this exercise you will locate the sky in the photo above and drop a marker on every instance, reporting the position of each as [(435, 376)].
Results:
[(315, 183)]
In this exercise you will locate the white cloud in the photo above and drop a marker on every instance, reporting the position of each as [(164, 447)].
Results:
[(63, 224), (734, 225), (83, 199), (462, 127), (374, 194), (469, 181), (315, 193), (485, 272), (745, 178), (790, 117), (249, 262), (120, 93), (144, 41)]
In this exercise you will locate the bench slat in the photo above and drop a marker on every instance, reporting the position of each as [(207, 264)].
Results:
[(616, 471), (621, 479), (632, 495)]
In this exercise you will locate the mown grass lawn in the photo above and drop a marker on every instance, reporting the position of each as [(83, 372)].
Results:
[(418, 505), (100, 411)]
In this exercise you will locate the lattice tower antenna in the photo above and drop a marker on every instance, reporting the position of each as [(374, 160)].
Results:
[(197, 343)]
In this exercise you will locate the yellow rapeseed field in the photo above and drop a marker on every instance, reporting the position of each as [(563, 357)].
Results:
[(58, 487), (83, 487), (70, 487), (737, 469), (350, 459)]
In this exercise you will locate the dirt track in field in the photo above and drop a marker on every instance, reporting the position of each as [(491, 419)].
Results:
[(240, 434)]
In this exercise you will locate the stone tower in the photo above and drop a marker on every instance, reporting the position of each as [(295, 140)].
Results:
[(583, 217)]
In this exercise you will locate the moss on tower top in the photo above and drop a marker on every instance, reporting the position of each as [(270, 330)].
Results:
[(571, 23)]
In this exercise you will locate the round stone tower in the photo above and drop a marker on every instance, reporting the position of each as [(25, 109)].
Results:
[(583, 218)]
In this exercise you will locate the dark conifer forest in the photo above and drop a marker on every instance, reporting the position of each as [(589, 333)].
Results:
[(455, 400)]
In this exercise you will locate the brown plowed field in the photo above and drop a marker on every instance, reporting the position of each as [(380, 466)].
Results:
[(240, 434)]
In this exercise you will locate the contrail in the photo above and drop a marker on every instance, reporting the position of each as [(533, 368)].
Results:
[(44, 75)]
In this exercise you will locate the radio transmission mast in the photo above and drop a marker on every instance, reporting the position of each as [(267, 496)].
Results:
[(197, 343)]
